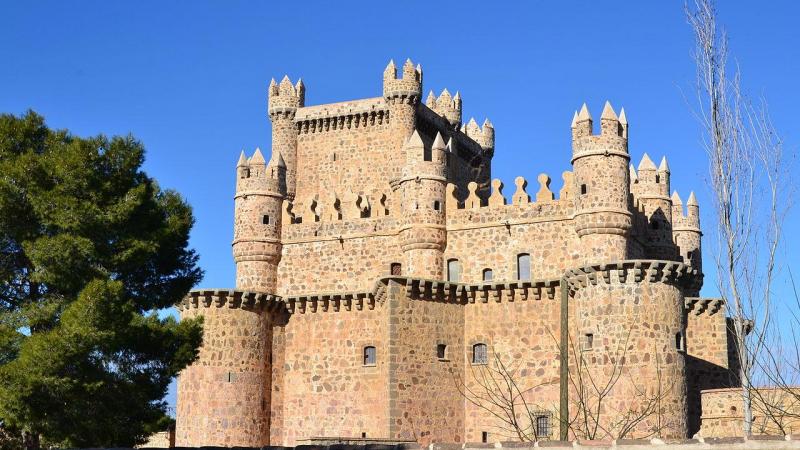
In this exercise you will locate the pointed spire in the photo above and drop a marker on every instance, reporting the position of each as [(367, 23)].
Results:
[(472, 128), (299, 85), (430, 102), (273, 88), (438, 143), (242, 160), (646, 163), (409, 71), (676, 199), (574, 119), (487, 123), (632, 172), (608, 112), (663, 167), (281, 162), (584, 114), (391, 70), (692, 201), (286, 86), (257, 157), (415, 141), (457, 98), (622, 119), (451, 145)]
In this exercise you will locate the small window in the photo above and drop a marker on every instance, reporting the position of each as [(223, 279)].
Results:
[(524, 267), (487, 275), (363, 435), (543, 426), (298, 220), (479, 354), (396, 269), (484, 437), (453, 271), (436, 205), (679, 342), (583, 189), (369, 356), (244, 173), (658, 179), (441, 351), (588, 341), (265, 219)]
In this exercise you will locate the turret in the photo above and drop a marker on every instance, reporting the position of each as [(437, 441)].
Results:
[(422, 187), (686, 232), (284, 99), (260, 191), (482, 135), (402, 95), (446, 106), (652, 192), (600, 166)]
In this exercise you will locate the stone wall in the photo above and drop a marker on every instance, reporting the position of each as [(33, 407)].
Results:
[(775, 411), (706, 353), (324, 386)]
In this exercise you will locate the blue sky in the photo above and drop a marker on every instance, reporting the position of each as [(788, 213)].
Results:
[(189, 79)]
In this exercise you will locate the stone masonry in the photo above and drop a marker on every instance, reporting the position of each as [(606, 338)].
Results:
[(380, 271)]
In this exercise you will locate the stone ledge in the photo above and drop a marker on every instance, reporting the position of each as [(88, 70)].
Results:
[(230, 298), (634, 271)]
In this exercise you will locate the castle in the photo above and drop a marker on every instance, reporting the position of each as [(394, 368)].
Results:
[(380, 271)]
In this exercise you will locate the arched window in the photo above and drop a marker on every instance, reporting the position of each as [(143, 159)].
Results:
[(479, 354), (488, 275), (441, 351), (370, 356), (524, 267), (453, 271)]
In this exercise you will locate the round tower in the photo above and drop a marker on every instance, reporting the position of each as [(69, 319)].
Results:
[(224, 396), (260, 189), (402, 95), (652, 191), (284, 99), (422, 192), (600, 166), (629, 342)]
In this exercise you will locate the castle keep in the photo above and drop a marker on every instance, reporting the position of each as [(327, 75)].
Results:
[(380, 270)]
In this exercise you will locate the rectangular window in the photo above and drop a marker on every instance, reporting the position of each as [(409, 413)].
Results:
[(524, 267), (479, 354), (441, 351), (484, 437), (543, 426), (369, 356), (453, 271), (487, 274), (588, 341)]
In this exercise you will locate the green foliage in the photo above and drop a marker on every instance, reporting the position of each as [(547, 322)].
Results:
[(90, 248)]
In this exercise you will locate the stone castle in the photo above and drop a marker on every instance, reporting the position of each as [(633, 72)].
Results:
[(380, 270)]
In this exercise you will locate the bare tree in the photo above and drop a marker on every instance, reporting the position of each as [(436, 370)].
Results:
[(747, 175), (596, 410), (497, 388), (597, 415)]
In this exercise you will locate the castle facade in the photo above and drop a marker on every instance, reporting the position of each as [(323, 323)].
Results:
[(381, 274)]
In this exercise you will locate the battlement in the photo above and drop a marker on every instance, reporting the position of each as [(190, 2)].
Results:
[(613, 137), (688, 220), (255, 174), (446, 106), (407, 88), (342, 115), (704, 305), (284, 98)]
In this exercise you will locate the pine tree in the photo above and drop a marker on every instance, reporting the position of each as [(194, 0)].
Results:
[(90, 249)]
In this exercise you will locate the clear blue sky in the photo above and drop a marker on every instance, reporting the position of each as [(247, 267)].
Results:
[(189, 79)]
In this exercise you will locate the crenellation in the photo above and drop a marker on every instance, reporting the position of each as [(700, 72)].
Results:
[(377, 261)]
